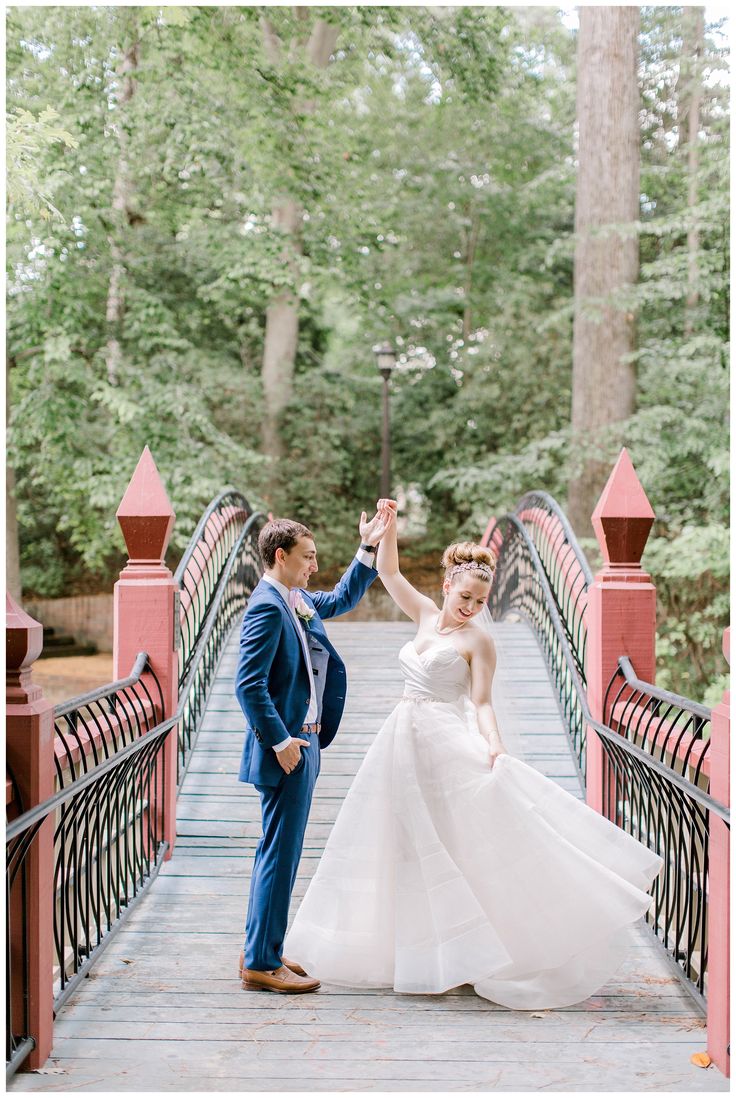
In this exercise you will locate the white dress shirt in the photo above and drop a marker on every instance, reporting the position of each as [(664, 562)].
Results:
[(312, 713)]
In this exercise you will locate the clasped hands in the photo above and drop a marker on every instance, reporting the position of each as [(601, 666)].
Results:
[(372, 531)]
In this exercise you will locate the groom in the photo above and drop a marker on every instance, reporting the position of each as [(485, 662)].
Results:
[(291, 685)]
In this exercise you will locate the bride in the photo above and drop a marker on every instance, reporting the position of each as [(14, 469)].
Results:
[(451, 862)]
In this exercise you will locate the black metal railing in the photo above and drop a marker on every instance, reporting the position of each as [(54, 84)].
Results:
[(669, 727), (18, 1042), (108, 835), (645, 801), (655, 744), (521, 586), (202, 564), (107, 811), (96, 725), (564, 563), (237, 576)]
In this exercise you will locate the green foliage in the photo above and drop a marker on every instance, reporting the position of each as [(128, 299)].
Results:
[(27, 138), (691, 572), (678, 437), (434, 160)]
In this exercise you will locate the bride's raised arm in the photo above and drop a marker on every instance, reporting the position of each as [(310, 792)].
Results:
[(406, 597)]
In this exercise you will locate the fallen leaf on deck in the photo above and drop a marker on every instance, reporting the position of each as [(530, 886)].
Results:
[(700, 1059), (538, 1014), (127, 961)]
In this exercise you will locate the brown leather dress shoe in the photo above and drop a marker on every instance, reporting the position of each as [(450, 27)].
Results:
[(289, 964), (281, 979)]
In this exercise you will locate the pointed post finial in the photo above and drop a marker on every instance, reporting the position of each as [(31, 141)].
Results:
[(623, 515), (24, 636), (145, 513), (24, 643)]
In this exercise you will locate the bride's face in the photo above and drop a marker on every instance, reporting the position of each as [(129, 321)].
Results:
[(465, 597)]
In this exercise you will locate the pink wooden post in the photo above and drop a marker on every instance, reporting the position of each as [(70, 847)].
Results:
[(145, 606), (621, 608), (719, 883), (30, 757)]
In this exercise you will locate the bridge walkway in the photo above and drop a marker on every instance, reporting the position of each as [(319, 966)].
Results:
[(163, 1009)]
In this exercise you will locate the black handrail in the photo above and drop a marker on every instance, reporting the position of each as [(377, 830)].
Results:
[(108, 844), (530, 500), (97, 724), (101, 692), (214, 505), (522, 586), (702, 712), (564, 564), (645, 789), (203, 562), (238, 575), (111, 769)]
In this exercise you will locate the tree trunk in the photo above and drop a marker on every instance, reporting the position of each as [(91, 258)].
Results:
[(122, 206), (607, 247), (12, 536), (282, 314), (282, 332), (12, 539), (694, 44), (322, 42), (471, 244)]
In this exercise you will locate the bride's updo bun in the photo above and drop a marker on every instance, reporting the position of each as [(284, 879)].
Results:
[(468, 558)]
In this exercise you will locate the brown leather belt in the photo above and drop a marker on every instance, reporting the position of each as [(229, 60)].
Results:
[(308, 729)]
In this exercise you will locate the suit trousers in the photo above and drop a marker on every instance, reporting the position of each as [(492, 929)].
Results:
[(284, 813)]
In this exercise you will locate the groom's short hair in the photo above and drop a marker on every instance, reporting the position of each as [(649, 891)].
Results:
[(279, 534)]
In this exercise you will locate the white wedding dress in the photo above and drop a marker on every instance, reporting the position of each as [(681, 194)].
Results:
[(440, 871)]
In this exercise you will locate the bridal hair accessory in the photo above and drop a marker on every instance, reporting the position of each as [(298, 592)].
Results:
[(471, 566)]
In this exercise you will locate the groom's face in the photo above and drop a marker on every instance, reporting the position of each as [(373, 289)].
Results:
[(299, 563)]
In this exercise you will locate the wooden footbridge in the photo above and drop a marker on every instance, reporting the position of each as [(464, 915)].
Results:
[(156, 1003)]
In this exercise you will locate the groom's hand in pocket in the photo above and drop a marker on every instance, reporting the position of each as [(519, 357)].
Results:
[(290, 756)]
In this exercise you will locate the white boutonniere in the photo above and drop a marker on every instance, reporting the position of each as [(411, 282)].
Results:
[(304, 613)]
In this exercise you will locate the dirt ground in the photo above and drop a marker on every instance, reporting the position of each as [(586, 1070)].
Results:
[(63, 677)]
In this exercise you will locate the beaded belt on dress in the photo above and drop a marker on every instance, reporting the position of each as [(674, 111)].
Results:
[(425, 698)]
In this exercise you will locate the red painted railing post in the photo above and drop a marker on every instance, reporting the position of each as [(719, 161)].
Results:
[(30, 759), (719, 883), (492, 536), (145, 608), (621, 609)]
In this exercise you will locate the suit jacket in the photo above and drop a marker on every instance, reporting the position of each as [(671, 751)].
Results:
[(272, 680)]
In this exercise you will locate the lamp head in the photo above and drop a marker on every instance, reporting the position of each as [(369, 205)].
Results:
[(385, 357)]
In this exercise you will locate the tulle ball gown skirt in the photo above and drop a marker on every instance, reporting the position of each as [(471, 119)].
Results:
[(441, 872)]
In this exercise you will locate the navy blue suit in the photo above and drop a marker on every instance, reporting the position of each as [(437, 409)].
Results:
[(272, 686)]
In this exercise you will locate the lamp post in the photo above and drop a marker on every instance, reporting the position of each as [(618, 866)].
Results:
[(385, 360)]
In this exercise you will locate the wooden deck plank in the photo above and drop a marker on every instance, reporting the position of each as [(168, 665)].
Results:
[(163, 1009)]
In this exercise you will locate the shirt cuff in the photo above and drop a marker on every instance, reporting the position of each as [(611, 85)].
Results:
[(280, 746), (368, 559)]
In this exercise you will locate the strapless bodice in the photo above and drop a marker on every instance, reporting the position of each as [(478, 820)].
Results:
[(439, 674)]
